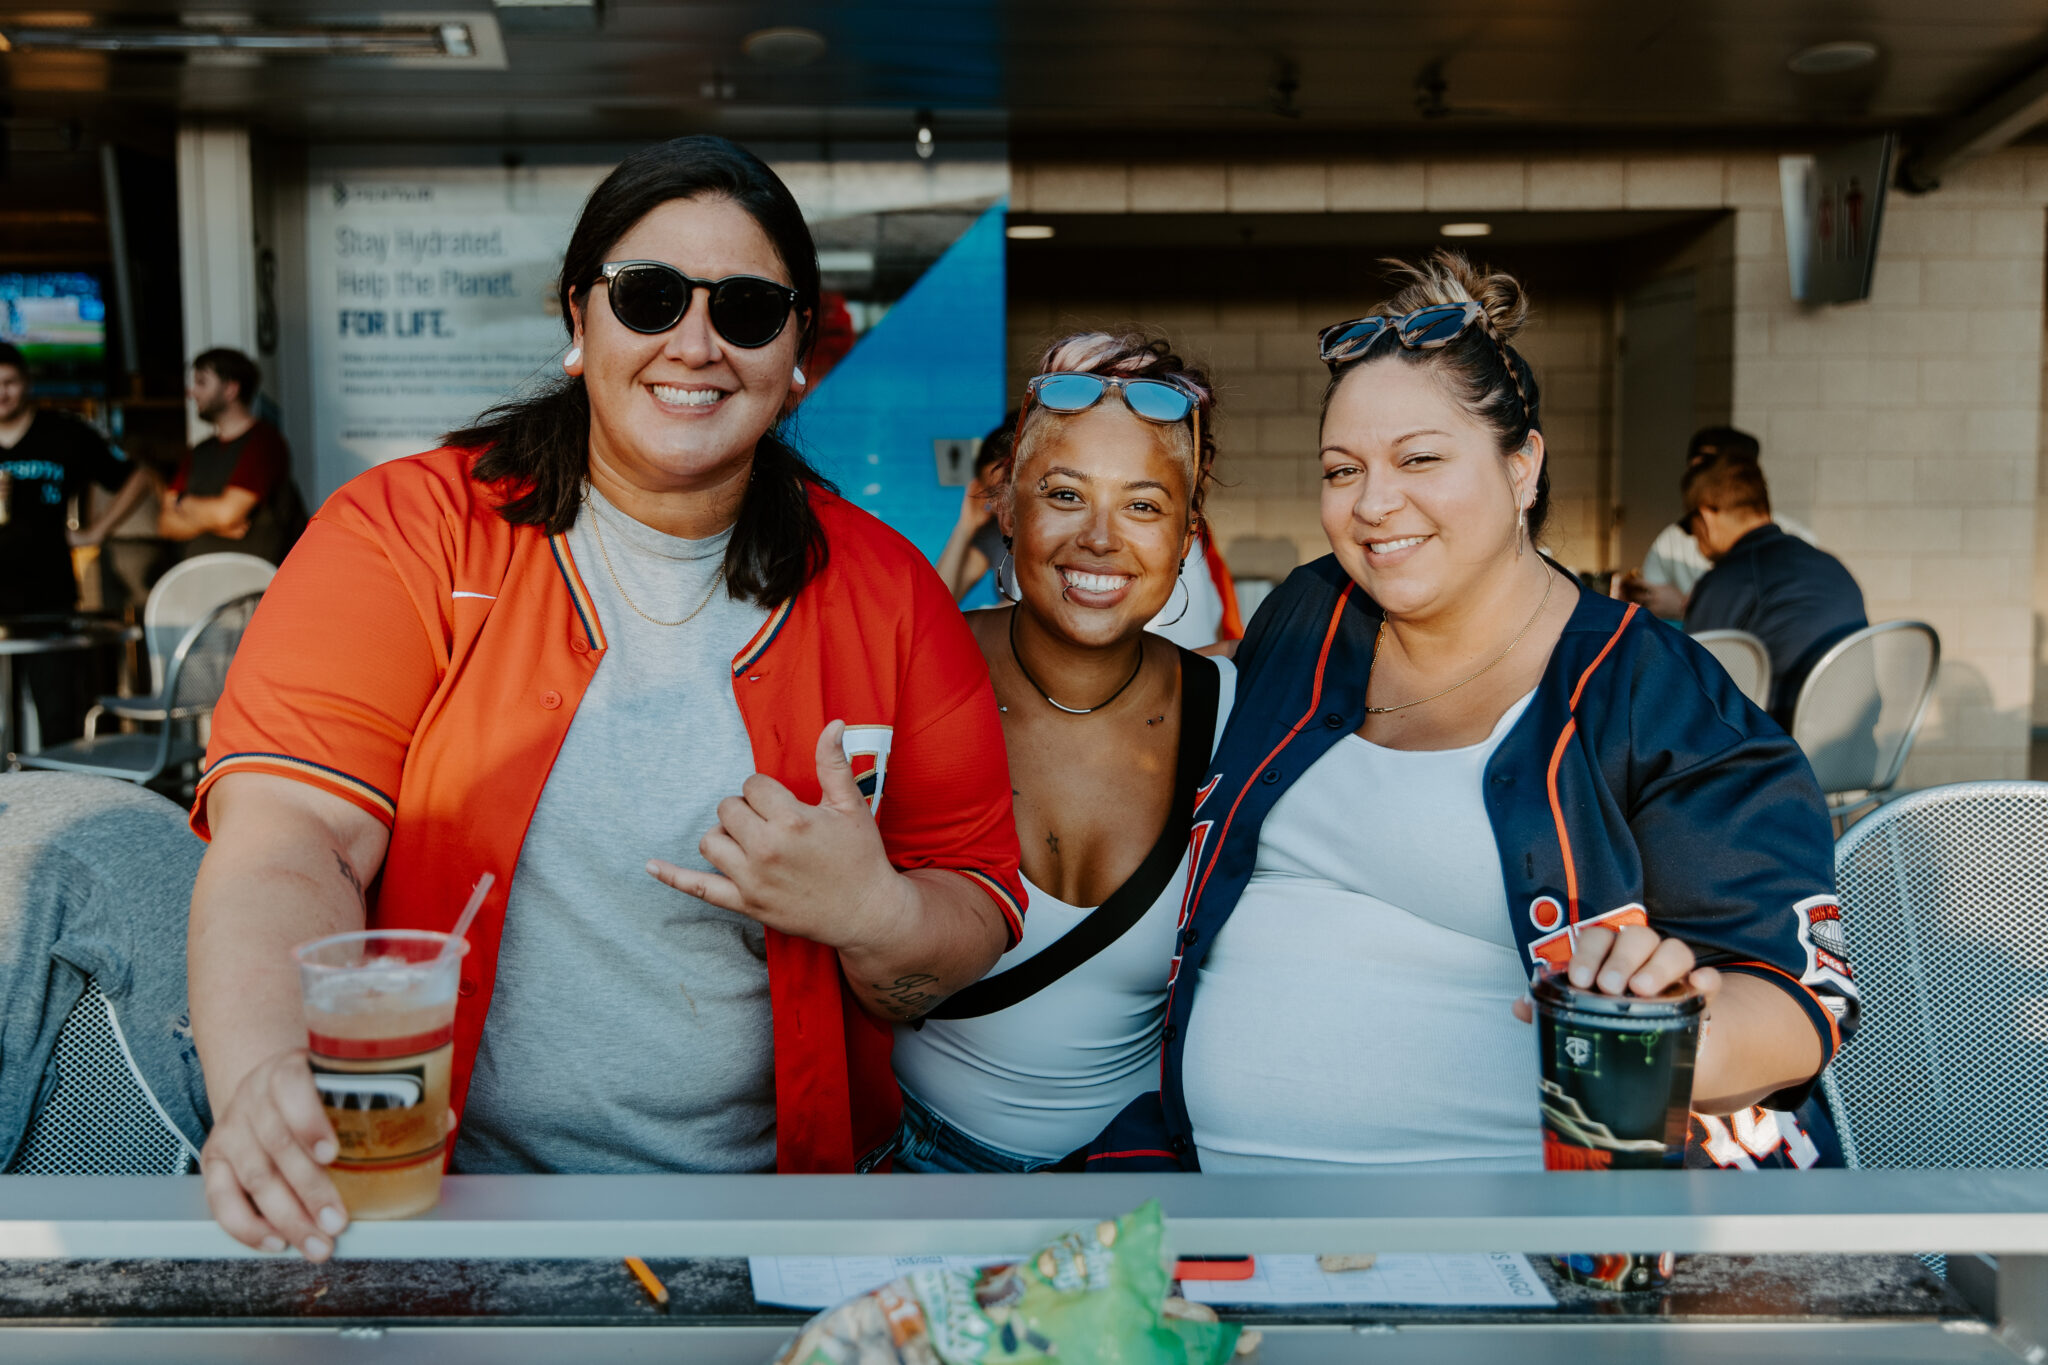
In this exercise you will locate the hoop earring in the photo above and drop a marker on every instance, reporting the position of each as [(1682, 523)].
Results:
[(1008, 562), (1187, 598)]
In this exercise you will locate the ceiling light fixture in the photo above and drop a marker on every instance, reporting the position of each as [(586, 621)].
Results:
[(434, 38), (924, 144), (1028, 232), (1828, 59), (784, 47), (1466, 229)]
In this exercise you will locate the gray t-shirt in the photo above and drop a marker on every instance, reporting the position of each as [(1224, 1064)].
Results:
[(630, 1027)]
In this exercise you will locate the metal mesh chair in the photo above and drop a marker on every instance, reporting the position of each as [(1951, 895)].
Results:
[(100, 1118), (193, 680), (1744, 656), (180, 600), (1945, 908), (1860, 708)]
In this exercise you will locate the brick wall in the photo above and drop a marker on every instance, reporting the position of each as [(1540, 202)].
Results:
[(1907, 429)]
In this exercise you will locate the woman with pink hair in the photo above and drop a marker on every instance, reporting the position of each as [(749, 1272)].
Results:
[(1109, 729)]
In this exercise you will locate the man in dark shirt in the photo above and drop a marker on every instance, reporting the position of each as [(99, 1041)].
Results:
[(233, 491), (1796, 598), (47, 458)]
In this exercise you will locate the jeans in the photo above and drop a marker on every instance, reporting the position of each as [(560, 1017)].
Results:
[(927, 1144)]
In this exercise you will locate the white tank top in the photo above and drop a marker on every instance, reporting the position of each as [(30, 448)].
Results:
[(1047, 1074), (1355, 1010)]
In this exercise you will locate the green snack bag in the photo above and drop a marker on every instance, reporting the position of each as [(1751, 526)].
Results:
[(1091, 1298)]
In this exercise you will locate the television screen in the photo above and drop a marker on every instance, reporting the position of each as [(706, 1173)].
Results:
[(59, 320)]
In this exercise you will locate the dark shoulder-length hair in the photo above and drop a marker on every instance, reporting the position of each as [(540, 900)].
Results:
[(539, 443)]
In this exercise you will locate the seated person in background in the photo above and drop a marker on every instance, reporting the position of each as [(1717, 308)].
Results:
[(977, 542), (1109, 729), (1448, 765), (233, 491), (1674, 562), (95, 876), (1795, 598)]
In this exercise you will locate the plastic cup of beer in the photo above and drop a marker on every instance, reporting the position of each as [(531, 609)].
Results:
[(380, 1024)]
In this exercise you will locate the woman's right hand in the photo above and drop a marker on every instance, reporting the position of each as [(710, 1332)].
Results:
[(265, 1163)]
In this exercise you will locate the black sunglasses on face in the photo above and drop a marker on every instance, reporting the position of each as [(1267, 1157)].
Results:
[(651, 296)]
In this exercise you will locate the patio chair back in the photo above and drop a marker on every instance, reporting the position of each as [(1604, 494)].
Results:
[(1744, 656), (1862, 704), (198, 669), (182, 598), (1944, 897)]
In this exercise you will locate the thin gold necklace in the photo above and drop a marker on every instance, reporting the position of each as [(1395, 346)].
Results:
[(1550, 577), (597, 525)]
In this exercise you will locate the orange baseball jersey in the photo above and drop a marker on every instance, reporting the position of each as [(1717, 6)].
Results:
[(421, 658)]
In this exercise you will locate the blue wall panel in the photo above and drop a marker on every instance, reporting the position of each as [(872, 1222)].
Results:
[(933, 367)]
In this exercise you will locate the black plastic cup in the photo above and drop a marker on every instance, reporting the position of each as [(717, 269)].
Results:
[(1617, 1095)]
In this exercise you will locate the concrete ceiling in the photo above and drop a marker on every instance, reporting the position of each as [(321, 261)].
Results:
[(1070, 75)]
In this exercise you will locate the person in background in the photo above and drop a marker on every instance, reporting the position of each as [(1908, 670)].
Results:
[(1796, 598), (234, 490), (48, 458), (722, 738), (1449, 765), (1674, 563), (977, 542), (1108, 730)]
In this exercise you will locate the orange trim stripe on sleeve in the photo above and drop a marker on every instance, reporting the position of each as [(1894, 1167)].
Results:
[(350, 788), (1564, 842), (1834, 1028), (1013, 913)]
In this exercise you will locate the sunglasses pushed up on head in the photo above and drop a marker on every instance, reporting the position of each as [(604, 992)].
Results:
[(1426, 329), (650, 297), (1155, 400)]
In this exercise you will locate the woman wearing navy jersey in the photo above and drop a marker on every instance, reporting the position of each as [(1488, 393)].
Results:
[(1450, 764), (1108, 728)]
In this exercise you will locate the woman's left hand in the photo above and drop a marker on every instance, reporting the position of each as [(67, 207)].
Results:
[(818, 872), (1636, 961)]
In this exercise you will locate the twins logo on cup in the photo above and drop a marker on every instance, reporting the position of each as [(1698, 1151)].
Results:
[(867, 751)]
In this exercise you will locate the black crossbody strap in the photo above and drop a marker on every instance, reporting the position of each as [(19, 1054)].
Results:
[(1200, 688)]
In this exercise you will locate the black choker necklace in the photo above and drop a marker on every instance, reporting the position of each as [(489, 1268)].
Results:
[(1070, 710)]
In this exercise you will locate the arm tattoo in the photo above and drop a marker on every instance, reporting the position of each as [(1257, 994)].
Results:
[(348, 875), (905, 999)]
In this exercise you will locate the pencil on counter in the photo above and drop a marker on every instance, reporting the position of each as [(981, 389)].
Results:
[(649, 1281)]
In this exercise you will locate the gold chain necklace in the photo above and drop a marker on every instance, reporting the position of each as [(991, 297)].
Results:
[(597, 525), (1380, 639)]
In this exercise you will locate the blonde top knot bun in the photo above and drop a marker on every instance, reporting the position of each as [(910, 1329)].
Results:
[(1446, 276)]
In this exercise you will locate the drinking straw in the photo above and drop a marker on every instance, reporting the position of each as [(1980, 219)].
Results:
[(476, 903)]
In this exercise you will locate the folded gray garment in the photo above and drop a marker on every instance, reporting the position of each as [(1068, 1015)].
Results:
[(95, 882)]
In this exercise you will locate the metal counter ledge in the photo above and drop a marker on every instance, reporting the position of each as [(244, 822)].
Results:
[(151, 1239), (483, 1217)]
